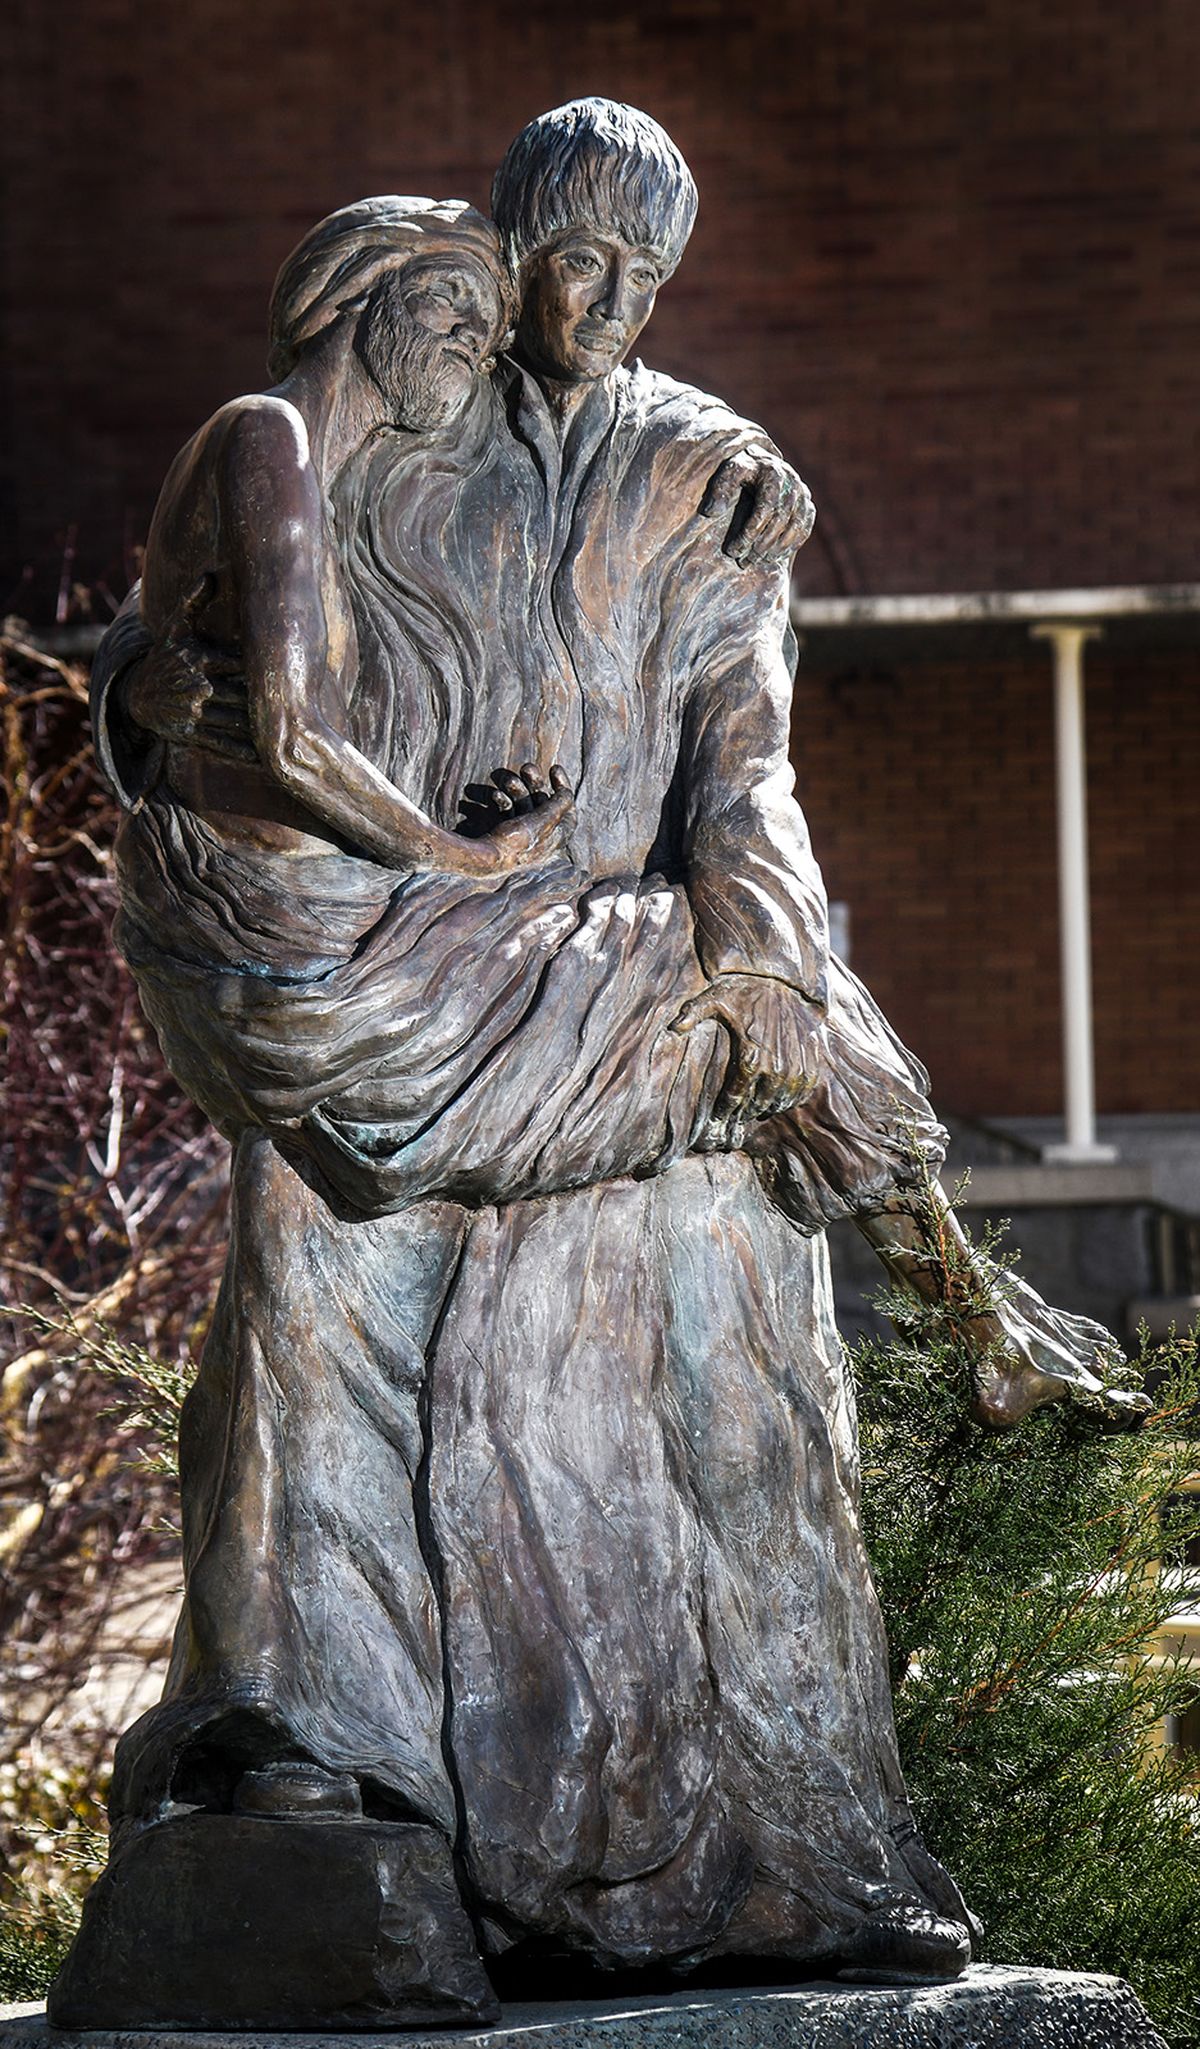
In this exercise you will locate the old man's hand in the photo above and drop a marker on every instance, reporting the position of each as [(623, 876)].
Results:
[(775, 1047), (520, 816), (188, 689), (766, 510)]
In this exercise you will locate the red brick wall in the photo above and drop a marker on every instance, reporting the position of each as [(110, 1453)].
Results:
[(948, 253), (931, 802)]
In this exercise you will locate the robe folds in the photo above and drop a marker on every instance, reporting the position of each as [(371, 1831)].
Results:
[(520, 1473)]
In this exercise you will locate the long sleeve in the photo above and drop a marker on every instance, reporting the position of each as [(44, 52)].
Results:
[(754, 885)]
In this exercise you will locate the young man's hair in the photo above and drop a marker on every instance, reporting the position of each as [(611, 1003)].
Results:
[(599, 164)]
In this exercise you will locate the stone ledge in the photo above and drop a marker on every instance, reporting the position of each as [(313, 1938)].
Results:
[(1052, 1186), (990, 2008)]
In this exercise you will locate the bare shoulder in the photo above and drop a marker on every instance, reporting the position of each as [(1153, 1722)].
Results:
[(256, 432), (252, 450), (268, 493), (262, 418)]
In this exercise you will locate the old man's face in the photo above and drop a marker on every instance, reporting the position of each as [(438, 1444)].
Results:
[(587, 299), (426, 334)]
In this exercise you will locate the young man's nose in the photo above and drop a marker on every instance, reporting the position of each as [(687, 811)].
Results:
[(612, 301)]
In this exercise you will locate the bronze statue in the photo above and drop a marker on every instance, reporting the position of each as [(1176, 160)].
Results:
[(462, 878)]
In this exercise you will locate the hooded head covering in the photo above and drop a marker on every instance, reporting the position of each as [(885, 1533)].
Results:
[(343, 256)]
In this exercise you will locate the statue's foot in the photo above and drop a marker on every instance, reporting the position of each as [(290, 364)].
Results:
[(292, 1787), (1007, 1390), (905, 1945), (1027, 1354)]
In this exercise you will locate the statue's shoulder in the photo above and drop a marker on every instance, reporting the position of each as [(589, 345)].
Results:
[(260, 425), (668, 413), (218, 473), (246, 435), (673, 440)]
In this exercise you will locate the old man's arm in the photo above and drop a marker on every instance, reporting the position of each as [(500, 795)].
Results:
[(272, 516), (1023, 1352)]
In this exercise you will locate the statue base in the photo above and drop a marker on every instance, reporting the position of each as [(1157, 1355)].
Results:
[(990, 2008), (246, 1923)]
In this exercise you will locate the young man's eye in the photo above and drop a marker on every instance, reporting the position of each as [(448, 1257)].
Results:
[(646, 280), (583, 260)]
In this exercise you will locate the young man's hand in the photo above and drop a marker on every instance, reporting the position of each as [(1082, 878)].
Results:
[(188, 690), (767, 511), (776, 1040)]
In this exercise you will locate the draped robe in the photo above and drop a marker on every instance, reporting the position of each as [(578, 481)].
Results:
[(520, 1475)]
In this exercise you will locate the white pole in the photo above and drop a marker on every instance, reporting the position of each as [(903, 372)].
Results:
[(1074, 909)]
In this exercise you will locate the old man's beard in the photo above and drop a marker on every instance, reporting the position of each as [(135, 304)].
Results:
[(425, 383)]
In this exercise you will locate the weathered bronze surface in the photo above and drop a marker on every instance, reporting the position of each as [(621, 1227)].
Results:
[(340, 1925), (465, 888)]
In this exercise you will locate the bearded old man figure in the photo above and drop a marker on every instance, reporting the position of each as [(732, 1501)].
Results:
[(520, 1481)]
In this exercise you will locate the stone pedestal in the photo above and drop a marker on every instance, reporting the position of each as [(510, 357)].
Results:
[(990, 2008), (245, 1922)]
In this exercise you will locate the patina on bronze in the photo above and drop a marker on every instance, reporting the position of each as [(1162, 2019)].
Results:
[(465, 887)]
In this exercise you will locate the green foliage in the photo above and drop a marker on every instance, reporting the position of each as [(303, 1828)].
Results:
[(40, 1913), (1024, 1585), (57, 1861), (33, 1943), (148, 1392)]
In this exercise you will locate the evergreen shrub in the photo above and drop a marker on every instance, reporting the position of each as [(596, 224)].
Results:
[(1028, 1581)]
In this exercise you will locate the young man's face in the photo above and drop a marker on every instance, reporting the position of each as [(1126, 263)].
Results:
[(587, 299), (427, 333)]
